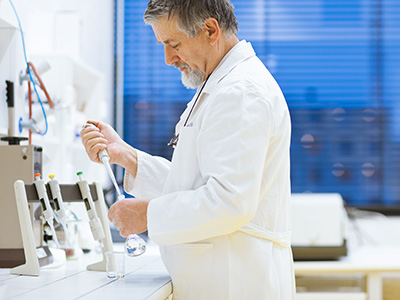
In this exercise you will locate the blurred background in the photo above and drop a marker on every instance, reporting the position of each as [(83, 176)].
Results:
[(337, 62)]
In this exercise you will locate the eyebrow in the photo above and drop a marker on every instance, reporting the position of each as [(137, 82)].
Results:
[(165, 42)]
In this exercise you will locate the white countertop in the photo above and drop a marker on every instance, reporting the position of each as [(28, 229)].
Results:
[(146, 278), (360, 259)]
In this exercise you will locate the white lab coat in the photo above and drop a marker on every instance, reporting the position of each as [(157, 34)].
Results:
[(220, 211)]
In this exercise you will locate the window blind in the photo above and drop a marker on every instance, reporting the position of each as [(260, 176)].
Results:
[(337, 62)]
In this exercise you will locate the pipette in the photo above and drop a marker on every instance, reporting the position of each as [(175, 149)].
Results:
[(94, 221), (105, 158), (44, 201), (134, 244), (59, 205)]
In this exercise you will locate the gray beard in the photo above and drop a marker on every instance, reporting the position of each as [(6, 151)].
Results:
[(193, 79)]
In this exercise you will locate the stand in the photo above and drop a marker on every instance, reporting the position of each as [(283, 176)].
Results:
[(25, 193)]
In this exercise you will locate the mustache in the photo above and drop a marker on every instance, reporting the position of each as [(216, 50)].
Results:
[(180, 66)]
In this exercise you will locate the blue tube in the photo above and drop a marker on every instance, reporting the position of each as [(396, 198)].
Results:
[(29, 69)]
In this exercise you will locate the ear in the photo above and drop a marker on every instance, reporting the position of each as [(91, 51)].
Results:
[(212, 30)]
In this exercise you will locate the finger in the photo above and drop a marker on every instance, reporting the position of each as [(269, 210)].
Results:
[(94, 122), (98, 141), (111, 214), (93, 152), (85, 133), (88, 134), (88, 128), (93, 137), (93, 143), (123, 232)]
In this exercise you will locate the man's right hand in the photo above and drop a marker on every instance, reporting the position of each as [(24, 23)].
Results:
[(103, 136), (96, 138)]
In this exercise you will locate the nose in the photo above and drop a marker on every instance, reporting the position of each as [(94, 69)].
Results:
[(170, 55)]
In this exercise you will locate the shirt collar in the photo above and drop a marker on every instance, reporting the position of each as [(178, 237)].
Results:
[(240, 52)]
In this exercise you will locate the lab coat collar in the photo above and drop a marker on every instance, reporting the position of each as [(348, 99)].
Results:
[(240, 52)]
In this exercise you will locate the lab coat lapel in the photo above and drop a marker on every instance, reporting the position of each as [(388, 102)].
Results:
[(240, 52)]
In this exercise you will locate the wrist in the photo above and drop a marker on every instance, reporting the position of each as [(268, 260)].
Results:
[(128, 159)]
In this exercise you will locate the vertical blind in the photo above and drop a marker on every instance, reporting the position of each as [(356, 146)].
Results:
[(338, 64)]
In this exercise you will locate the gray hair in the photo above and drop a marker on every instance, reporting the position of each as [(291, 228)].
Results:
[(191, 14)]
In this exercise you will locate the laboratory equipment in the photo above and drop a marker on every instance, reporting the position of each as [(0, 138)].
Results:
[(115, 264), (11, 139), (105, 158), (134, 244), (59, 205), (17, 162), (46, 207), (25, 195), (32, 76), (10, 105), (94, 221), (319, 226), (31, 264), (41, 68)]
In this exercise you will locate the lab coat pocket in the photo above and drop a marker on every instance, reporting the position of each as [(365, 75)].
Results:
[(190, 267), (184, 172)]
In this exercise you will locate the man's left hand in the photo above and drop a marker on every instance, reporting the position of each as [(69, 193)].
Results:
[(129, 216)]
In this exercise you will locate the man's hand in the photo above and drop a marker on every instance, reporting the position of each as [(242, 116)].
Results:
[(129, 216), (99, 137), (103, 136)]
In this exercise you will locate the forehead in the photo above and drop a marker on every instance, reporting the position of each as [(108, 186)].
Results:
[(166, 30)]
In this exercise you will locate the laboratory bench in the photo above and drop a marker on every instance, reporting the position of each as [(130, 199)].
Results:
[(146, 278), (358, 276)]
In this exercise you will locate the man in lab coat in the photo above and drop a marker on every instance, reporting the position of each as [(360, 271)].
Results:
[(220, 210)]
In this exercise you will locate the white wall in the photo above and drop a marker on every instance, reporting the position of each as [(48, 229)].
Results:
[(82, 30)]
